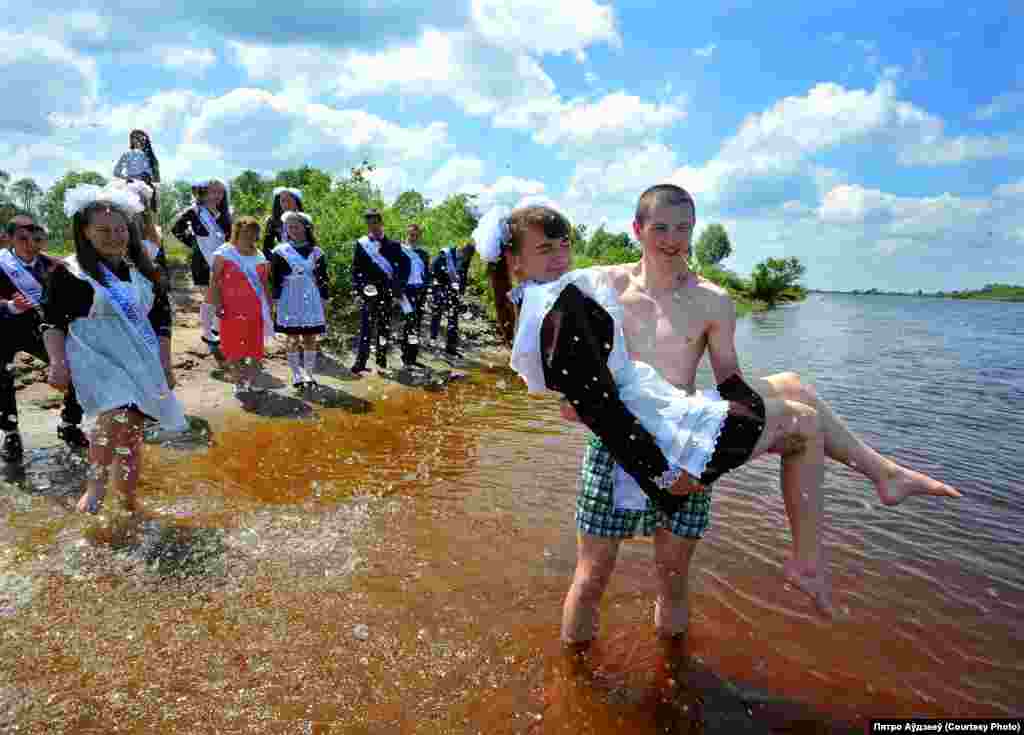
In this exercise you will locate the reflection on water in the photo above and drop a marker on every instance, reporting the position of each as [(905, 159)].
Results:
[(403, 569)]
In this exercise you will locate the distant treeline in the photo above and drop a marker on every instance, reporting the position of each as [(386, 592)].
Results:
[(990, 292)]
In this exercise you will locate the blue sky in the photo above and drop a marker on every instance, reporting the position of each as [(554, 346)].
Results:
[(881, 143)]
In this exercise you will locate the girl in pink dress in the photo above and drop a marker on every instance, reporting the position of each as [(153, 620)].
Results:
[(239, 294)]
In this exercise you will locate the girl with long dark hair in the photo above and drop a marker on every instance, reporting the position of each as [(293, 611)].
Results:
[(108, 329), (300, 287), (284, 200), (205, 226), (140, 162)]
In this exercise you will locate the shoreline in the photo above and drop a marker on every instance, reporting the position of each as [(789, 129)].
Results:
[(205, 392)]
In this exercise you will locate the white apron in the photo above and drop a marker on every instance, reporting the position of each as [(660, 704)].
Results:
[(685, 427), (300, 304), (113, 361)]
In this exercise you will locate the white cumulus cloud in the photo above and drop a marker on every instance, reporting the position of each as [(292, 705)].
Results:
[(43, 81)]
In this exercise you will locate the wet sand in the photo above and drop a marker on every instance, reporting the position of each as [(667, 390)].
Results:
[(348, 592)]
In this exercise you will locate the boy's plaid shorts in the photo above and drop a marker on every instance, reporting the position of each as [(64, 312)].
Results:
[(597, 515)]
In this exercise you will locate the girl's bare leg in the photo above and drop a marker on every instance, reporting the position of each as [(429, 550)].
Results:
[(794, 430), (100, 458), (893, 482), (126, 447)]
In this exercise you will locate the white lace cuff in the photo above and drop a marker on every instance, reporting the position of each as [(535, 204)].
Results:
[(668, 478)]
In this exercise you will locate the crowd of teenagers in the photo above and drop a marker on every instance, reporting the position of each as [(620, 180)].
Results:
[(621, 344)]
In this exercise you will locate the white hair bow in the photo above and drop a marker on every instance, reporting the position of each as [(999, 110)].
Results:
[(79, 197)]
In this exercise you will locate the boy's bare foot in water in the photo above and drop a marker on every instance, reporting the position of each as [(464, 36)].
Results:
[(812, 581), (899, 483)]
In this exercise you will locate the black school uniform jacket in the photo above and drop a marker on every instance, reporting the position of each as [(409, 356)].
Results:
[(439, 270), (365, 271), (43, 270)]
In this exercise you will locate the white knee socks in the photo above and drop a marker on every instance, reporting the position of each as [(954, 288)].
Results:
[(206, 320), (295, 363), (309, 362)]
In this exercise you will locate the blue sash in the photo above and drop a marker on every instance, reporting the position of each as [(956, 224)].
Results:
[(373, 250), (124, 298), (21, 277), (453, 271)]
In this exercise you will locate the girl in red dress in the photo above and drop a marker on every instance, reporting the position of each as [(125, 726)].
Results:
[(240, 295)]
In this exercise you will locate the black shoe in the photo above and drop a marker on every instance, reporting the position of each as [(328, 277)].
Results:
[(12, 450), (73, 436), (359, 367)]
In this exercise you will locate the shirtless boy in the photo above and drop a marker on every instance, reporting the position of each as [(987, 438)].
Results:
[(671, 318)]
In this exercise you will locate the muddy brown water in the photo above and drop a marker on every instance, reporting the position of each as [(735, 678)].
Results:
[(402, 571)]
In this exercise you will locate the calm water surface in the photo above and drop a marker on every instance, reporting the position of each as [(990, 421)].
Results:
[(403, 570)]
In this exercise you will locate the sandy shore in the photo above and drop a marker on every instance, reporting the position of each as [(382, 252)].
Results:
[(205, 391)]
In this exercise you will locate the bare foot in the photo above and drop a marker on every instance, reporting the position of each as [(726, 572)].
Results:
[(90, 502), (899, 483), (812, 582)]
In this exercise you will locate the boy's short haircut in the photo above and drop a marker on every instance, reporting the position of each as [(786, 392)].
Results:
[(662, 194)]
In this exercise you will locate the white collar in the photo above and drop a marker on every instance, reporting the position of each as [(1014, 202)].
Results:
[(516, 294)]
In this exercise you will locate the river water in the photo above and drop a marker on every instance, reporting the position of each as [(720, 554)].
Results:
[(402, 569)]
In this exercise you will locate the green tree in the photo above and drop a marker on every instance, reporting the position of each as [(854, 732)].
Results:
[(26, 191), (311, 180), (713, 245), (603, 246), (578, 239), (53, 203), (4, 180), (410, 205), (173, 198), (774, 277), (250, 194)]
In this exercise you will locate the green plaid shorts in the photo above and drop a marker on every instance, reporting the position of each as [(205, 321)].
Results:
[(597, 515)]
